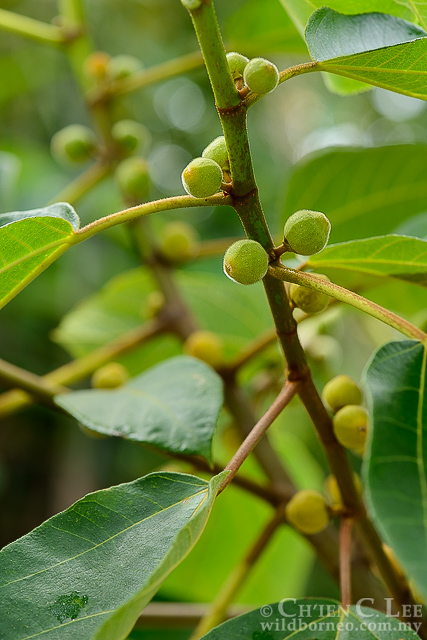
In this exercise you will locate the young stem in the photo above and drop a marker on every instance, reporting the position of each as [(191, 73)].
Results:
[(349, 297), (345, 561), (133, 213), (218, 610), (30, 28), (258, 431)]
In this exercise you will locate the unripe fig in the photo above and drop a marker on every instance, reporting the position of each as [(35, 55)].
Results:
[(96, 64), (179, 241), (130, 135), (309, 300), (340, 391), (75, 143), (307, 232), (333, 492), (202, 178), (217, 151), (308, 512), (154, 304), (206, 346), (245, 262), (261, 75), (133, 178), (109, 376), (123, 66), (237, 64), (351, 425)]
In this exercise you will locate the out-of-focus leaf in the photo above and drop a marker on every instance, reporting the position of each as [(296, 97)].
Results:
[(395, 469), (257, 28), (364, 192), (238, 314), (29, 242), (10, 167), (395, 256), (88, 572), (175, 406)]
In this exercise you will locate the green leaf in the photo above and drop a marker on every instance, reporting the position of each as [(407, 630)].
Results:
[(174, 405), (301, 10), (238, 314), (395, 256), (311, 618), (364, 192), (29, 242), (395, 470), (258, 28), (375, 48), (88, 572), (330, 34)]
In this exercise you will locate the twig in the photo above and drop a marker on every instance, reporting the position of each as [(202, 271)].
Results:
[(258, 431), (345, 561)]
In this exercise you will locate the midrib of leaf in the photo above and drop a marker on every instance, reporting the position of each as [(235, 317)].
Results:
[(420, 457), (34, 253), (119, 533)]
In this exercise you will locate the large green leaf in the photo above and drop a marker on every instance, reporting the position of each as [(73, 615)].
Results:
[(29, 242), (395, 470), (175, 406), (330, 34), (312, 618), (87, 572), (237, 314), (364, 192), (368, 47), (395, 256)]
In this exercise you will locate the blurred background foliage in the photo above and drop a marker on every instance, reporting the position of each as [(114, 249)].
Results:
[(46, 463)]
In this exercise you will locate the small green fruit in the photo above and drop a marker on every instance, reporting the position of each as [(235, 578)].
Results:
[(309, 300), (340, 391), (133, 178), (109, 376), (154, 304), (75, 143), (308, 512), (123, 66), (206, 346), (351, 426), (237, 64), (217, 151), (245, 262), (261, 76), (179, 242), (202, 178), (307, 232), (130, 135)]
